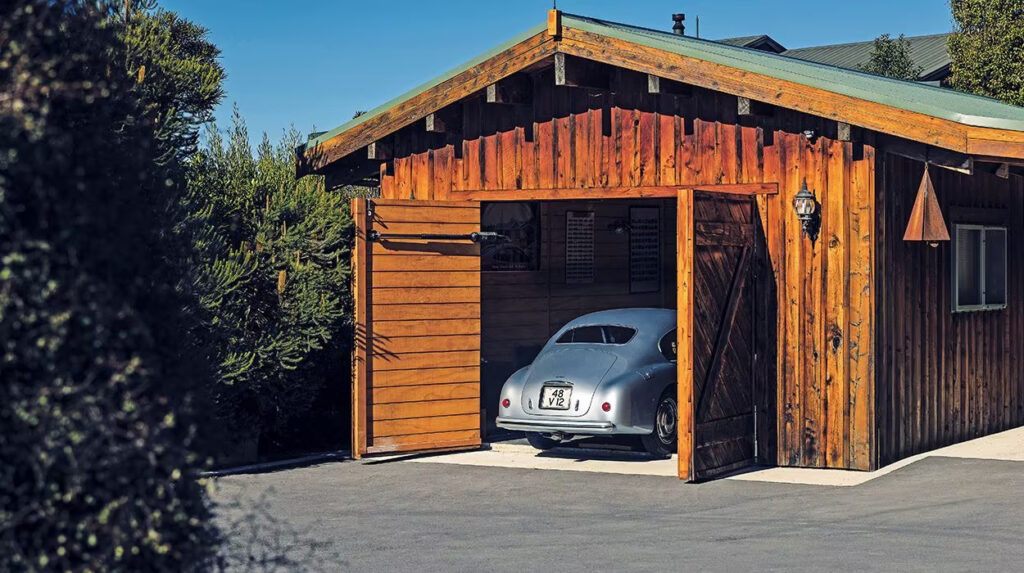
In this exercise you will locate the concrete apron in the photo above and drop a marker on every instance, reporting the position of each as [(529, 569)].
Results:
[(1007, 446)]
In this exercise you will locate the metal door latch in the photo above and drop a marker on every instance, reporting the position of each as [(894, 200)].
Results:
[(479, 237)]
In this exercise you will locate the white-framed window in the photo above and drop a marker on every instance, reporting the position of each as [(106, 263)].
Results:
[(979, 268)]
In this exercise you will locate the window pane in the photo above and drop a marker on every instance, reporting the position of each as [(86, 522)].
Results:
[(582, 335), (995, 266), (968, 262), (618, 334), (520, 223)]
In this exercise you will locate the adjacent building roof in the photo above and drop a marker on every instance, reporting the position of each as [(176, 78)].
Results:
[(763, 42), (928, 52), (947, 104), (946, 118)]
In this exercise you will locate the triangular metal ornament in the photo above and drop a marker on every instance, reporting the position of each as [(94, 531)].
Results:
[(926, 223)]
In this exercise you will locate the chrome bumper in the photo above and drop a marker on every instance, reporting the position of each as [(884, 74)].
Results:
[(566, 426)]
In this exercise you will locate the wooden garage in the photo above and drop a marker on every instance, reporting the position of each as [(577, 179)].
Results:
[(842, 249)]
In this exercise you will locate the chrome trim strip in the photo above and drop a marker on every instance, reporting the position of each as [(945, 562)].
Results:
[(568, 426)]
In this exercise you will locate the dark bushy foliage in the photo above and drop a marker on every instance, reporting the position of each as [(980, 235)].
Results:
[(271, 268), (97, 469)]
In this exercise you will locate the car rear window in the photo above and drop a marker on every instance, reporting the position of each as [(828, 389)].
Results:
[(597, 335)]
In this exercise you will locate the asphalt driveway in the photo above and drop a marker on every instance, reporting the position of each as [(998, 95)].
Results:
[(937, 514)]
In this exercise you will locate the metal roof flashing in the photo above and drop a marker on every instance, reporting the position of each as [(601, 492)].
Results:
[(942, 103), (937, 102)]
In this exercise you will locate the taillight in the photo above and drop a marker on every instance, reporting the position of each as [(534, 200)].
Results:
[(606, 407), (506, 403)]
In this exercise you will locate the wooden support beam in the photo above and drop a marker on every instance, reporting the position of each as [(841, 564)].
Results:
[(446, 120), (746, 107), (516, 89), (1003, 171), (435, 123), (585, 193), (351, 171), (571, 71), (379, 150), (936, 156), (844, 131), (554, 23), (659, 85), (685, 298)]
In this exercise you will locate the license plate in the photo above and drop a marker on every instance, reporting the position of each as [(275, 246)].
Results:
[(555, 397)]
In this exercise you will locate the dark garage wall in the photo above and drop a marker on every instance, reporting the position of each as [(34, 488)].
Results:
[(945, 377)]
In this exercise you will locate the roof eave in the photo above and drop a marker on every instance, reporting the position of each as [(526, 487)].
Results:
[(604, 46)]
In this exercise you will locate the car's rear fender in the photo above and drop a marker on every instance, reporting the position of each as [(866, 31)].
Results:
[(635, 394)]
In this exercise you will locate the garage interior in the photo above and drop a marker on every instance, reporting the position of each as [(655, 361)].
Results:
[(447, 311), (527, 296)]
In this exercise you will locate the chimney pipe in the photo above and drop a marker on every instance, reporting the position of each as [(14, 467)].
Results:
[(677, 24)]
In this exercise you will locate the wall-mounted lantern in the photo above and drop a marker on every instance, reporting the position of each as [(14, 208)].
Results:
[(926, 223), (806, 206)]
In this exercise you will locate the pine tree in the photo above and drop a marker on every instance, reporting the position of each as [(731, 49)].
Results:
[(272, 266), (987, 48), (891, 58)]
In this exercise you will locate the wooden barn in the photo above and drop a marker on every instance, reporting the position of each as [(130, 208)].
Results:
[(844, 251)]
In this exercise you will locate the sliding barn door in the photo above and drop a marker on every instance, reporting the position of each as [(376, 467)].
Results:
[(416, 280), (719, 389)]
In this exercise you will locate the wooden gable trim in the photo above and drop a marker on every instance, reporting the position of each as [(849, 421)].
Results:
[(586, 193), (670, 66), (458, 87), (882, 118)]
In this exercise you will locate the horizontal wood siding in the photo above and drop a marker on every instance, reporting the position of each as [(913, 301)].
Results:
[(423, 325), (576, 138), (945, 377)]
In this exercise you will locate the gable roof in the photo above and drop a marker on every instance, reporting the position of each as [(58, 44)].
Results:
[(944, 118), (762, 42), (929, 52)]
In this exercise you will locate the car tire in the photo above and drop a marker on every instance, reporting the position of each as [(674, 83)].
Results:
[(661, 443), (540, 441)]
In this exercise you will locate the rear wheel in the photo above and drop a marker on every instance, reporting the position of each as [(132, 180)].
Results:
[(540, 441), (662, 441)]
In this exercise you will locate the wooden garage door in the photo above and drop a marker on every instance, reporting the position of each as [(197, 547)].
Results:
[(720, 400), (416, 281)]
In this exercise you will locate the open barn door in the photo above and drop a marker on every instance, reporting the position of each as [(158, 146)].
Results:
[(717, 383), (416, 280)]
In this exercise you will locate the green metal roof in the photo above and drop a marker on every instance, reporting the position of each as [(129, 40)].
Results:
[(929, 100), (756, 42), (937, 102), (929, 52), (742, 41)]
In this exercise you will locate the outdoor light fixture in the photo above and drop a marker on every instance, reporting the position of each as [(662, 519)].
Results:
[(806, 206)]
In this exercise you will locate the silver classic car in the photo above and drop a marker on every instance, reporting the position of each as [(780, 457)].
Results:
[(607, 373)]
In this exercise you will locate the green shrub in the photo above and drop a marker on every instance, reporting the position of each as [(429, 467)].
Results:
[(97, 433), (272, 270)]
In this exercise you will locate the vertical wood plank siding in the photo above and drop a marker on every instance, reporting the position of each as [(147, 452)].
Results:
[(579, 138), (944, 377)]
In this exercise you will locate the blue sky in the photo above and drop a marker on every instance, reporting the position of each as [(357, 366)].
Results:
[(314, 63)]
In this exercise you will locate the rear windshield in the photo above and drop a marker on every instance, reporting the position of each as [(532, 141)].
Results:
[(597, 335)]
